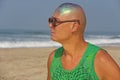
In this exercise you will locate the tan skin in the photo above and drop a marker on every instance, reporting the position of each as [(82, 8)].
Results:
[(70, 35)]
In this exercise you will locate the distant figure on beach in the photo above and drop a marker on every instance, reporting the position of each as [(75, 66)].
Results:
[(77, 59)]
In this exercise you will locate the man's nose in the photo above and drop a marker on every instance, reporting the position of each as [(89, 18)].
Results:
[(50, 25)]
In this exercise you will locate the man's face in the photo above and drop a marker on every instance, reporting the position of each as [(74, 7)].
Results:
[(60, 32)]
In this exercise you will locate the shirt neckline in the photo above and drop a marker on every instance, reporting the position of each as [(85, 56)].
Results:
[(79, 63)]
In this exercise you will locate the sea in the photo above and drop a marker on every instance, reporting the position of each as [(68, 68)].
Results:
[(30, 38)]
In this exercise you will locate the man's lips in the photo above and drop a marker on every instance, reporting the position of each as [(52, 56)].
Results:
[(52, 32)]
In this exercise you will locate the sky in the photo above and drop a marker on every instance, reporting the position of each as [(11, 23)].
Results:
[(102, 15)]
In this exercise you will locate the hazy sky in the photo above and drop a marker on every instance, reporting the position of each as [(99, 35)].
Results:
[(102, 15)]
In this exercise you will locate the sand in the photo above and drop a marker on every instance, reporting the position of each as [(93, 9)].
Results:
[(31, 63)]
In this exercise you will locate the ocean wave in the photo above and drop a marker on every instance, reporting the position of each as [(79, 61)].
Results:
[(103, 36), (28, 44), (105, 41), (43, 40)]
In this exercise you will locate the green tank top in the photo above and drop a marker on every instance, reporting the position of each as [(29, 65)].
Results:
[(83, 71)]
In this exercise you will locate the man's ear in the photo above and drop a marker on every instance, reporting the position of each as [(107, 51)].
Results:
[(74, 27)]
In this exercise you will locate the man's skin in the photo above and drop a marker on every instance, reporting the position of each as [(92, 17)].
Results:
[(71, 36)]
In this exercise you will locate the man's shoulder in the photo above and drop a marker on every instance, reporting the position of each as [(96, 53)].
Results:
[(52, 54), (103, 56), (105, 64)]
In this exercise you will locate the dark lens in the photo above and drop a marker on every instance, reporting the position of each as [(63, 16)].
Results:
[(52, 21)]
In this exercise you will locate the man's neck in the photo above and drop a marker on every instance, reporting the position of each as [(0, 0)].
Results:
[(74, 47)]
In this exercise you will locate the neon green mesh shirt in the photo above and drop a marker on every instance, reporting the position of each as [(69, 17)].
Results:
[(83, 71)]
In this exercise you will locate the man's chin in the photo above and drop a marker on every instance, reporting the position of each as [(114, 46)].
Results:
[(55, 40)]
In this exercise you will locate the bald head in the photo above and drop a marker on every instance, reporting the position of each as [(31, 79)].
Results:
[(71, 11), (67, 8)]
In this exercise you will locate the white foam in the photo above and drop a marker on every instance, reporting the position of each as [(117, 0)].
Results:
[(28, 44), (105, 41), (17, 41)]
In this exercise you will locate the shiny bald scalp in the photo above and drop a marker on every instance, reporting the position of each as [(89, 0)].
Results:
[(71, 11)]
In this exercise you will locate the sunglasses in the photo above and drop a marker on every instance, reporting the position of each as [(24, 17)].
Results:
[(55, 22)]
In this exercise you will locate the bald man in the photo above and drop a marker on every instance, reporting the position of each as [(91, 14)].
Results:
[(77, 59)]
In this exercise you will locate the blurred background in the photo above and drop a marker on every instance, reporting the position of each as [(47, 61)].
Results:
[(24, 23)]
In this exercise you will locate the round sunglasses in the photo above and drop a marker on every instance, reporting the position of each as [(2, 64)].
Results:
[(54, 21)]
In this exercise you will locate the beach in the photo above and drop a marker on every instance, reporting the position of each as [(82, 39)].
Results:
[(31, 63)]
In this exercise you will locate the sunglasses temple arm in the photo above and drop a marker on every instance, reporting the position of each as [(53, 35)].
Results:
[(69, 21)]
